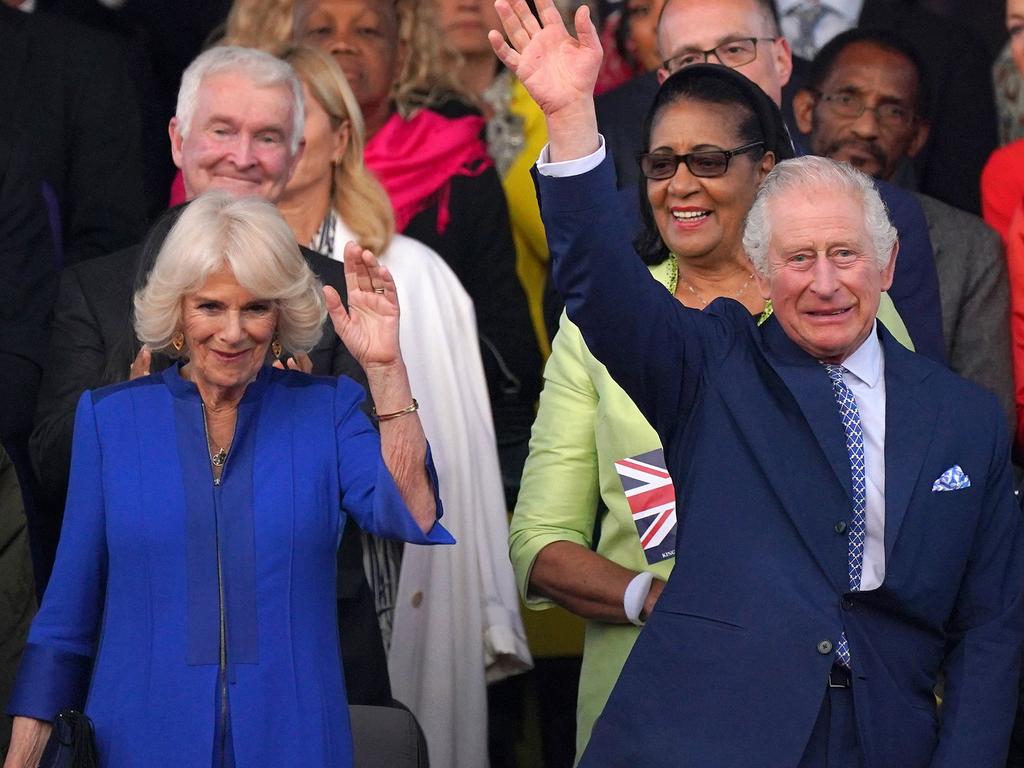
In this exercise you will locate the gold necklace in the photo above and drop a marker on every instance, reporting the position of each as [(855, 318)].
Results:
[(674, 272), (219, 457), (673, 283)]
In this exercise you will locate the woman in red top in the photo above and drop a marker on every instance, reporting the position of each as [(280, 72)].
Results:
[(1002, 205)]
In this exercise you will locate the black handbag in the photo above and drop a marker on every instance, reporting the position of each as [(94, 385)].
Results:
[(72, 743)]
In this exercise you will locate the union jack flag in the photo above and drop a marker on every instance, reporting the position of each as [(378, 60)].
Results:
[(652, 500)]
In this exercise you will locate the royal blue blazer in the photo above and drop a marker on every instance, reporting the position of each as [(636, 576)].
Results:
[(130, 624)]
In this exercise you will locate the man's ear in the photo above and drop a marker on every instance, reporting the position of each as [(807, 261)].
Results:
[(804, 102), (764, 283), (922, 130), (783, 60), (890, 268), (663, 75), (176, 141)]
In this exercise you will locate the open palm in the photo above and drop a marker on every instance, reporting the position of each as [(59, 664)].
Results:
[(369, 327), (556, 69)]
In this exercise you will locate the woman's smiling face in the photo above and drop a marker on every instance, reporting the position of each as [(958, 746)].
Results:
[(703, 216), (227, 332)]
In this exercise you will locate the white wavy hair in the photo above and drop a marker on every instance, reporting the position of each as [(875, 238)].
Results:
[(259, 67), (824, 177), (248, 236)]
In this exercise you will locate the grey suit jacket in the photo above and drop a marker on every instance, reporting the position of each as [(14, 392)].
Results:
[(975, 297)]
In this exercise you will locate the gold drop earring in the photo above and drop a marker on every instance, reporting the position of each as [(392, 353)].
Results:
[(178, 341), (275, 348)]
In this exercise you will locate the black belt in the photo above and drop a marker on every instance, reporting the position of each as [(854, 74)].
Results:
[(839, 677)]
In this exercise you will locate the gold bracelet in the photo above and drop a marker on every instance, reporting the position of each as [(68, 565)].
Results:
[(389, 416)]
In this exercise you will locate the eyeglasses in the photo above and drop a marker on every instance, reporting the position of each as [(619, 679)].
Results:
[(731, 53), (659, 166), (852, 105)]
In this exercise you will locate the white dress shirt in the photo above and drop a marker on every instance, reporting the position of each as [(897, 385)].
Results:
[(864, 374), (841, 16)]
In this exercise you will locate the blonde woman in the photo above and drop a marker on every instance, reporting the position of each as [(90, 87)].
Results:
[(443, 187), (460, 610), (191, 609)]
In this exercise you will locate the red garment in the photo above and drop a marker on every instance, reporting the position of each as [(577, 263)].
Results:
[(615, 70), (1002, 206), (416, 159), (177, 196), (1002, 186), (1015, 270)]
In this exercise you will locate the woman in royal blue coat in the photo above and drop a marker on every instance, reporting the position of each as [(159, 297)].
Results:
[(192, 607)]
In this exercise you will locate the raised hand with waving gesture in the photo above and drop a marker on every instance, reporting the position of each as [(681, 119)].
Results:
[(369, 327), (558, 70)]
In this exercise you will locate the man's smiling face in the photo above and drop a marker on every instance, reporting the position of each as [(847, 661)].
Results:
[(823, 278), (239, 140)]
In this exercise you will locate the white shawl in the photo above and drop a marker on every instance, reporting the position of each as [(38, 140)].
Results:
[(457, 625)]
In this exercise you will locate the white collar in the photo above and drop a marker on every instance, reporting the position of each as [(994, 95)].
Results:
[(866, 361)]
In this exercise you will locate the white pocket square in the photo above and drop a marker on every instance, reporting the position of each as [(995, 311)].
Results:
[(953, 479)]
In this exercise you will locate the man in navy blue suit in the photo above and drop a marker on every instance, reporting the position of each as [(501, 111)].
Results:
[(847, 528), (689, 28)]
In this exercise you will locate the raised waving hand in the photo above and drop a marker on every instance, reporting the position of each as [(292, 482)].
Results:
[(369, 327), (558, 70)]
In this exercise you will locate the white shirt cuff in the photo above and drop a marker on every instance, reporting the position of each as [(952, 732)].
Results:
[(576, 167), (636, 595)]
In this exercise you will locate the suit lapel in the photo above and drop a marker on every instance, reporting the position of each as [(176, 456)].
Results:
[(877, 15), (807, 380), (793, 428), (910, 414)]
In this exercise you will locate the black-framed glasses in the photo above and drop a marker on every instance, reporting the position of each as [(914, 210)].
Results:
[(658, 166), (853, 105), (731, 53)]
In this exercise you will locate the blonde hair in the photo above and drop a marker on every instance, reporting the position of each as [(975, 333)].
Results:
[(263, 24), (248, 236), (427, 78), (356, 194)]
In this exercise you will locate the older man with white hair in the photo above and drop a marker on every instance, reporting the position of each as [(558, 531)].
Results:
[(847, 527), (238, 127)]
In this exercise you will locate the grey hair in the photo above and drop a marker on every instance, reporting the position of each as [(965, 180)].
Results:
[(259, 67), (248, 236), (823, 176)]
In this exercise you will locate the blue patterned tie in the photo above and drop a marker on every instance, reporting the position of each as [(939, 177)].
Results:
[(855, 449)]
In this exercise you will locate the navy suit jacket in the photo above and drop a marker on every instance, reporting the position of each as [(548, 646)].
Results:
[(732, 666)]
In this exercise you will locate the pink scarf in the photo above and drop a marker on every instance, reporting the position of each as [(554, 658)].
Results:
[(416, 160)]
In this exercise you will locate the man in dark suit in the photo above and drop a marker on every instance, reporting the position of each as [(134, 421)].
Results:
[(238, 128), (864, 104), (687, 30), (847, 527), (66, 88), (17, 592), (957, 76), (27, 291)]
